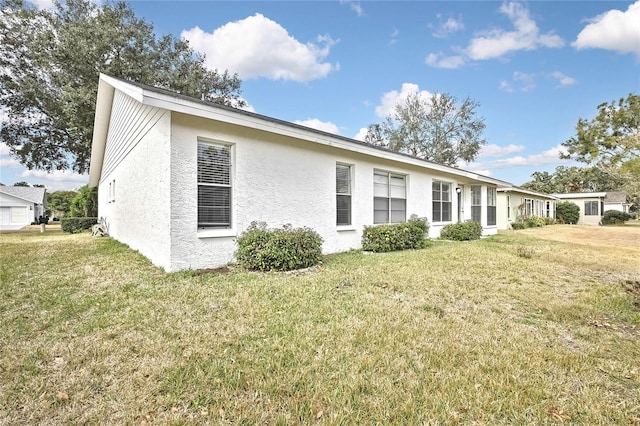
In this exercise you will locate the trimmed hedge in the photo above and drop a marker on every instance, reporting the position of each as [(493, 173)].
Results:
[(462, 231), (399, 236), (614, 217), (567, 212), (281, 249), (73, 225)]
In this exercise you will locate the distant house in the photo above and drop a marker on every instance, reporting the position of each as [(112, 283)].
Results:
[(179, 179), (594, 204), (516, 203), (616, 200), (20, 205)]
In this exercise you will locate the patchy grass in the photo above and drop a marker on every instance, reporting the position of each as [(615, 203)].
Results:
[(470, 333)]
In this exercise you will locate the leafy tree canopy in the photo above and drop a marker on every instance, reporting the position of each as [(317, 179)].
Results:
[(60, 201), (21, 183), (50, 61), (612, 138), (610, 142), (438, 129), (574, 179), (84, 203)]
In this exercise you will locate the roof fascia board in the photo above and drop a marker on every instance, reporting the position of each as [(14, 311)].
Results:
[(101, 121), (194, 108), (525, 191), (581, 195)]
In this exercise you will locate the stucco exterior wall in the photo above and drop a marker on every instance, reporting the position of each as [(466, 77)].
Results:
[(133, 194), (588, 220), (513, 200), (282, 180)]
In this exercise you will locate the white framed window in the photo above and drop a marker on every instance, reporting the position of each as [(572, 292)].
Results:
[(591, 208), (528, 207), (476, 203), (112, 192), (508, 207), (491, 206), (214, 185), (343, 194), (441, 196), (389, 197)]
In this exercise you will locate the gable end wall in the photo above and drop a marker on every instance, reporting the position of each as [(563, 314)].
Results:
[(137, 159)]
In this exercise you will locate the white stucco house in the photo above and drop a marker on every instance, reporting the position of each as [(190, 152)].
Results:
[(594, 204), (516, 203), (179, 179), (20, 205)]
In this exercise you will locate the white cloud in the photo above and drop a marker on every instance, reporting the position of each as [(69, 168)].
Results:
[(4, 149), (448, 27), (480, 171), (438, 60), (56, 180), (389, 100), (394, 36), (354, 5), (613, 30), (246, 107), (259, 47), (493, 150), (42, 4), (550, 156), (9, 162), (362, 133), (314, 123), (563, 80), (521, 82), (496, 42)]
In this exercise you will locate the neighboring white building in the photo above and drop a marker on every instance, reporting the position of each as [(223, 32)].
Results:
[(515, 204), (20, 205), (616, 200), (591, 205), (594, 204), (179, 179)]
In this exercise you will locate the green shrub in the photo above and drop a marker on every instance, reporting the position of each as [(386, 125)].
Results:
[(280, 249), (518, 225), (614, 217), (567, 212), (74, 225), (399, 236), (534, 222), (462, 231), (549, 221)]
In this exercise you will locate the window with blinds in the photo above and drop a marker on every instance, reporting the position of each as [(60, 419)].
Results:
[(343, 194), (476, 203), (389, 197), (491, 206), (441, 196), (214, 185)]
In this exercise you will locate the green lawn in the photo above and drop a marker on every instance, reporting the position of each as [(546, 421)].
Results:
[(469, 333)]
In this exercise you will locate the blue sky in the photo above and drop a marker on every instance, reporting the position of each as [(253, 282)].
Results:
[(534, 67)]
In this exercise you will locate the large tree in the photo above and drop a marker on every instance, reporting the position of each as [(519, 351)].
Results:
[(437, 129), (49, 66), (573, 179), (59, 202), (611, 142)]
